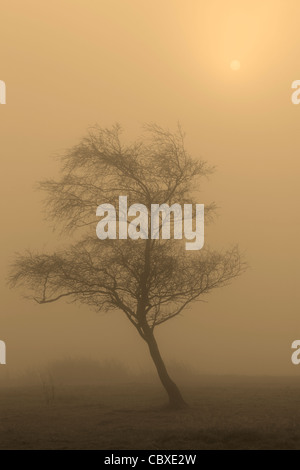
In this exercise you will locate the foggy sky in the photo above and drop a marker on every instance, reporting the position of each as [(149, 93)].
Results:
[(70, 64)]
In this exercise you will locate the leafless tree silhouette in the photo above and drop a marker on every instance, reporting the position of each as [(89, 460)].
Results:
[(150, 281)]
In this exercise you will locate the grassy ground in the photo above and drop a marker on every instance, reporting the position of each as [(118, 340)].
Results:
[(223, 414)]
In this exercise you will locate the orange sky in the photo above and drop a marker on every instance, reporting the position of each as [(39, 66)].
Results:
[(71, 63)]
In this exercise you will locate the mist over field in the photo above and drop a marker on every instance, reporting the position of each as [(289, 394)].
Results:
[(85, 404)]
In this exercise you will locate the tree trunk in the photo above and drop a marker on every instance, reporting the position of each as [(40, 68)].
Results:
[(176, 400)]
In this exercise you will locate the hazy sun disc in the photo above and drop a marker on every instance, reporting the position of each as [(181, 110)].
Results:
[(235, 65)]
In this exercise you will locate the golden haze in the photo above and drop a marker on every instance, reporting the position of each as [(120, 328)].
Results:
[(68, 65)]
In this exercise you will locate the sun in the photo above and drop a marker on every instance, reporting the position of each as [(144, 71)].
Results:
[(235, 65)]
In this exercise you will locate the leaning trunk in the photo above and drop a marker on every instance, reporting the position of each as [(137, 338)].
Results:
[(175, 398)]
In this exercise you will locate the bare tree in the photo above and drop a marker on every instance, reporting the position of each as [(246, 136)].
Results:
[(150, 281)]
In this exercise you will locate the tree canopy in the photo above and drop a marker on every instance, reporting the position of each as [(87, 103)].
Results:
[(150, 281)]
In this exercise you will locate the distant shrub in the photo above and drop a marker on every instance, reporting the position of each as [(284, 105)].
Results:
[(77, 371)]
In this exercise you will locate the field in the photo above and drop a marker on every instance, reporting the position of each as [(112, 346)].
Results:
[(224, 413)]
